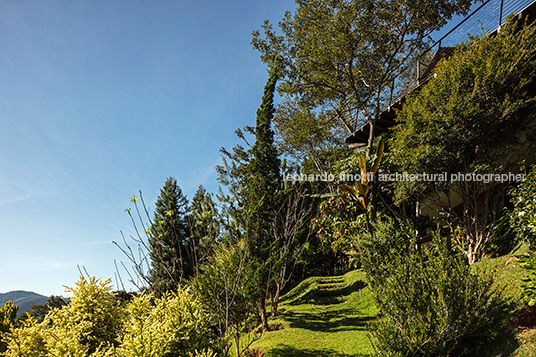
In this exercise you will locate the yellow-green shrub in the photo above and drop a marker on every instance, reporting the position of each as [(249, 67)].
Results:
[(28, 340), (175, 324), (95, 325)]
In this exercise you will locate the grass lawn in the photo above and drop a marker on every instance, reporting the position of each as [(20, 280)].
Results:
[(323, 316), (507, 275), (329, 316)]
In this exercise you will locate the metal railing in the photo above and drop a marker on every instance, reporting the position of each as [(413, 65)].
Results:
[(485, 18)]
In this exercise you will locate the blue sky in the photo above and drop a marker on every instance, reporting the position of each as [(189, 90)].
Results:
[(100, 99)]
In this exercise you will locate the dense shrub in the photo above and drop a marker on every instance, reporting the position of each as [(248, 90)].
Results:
[(431, 303), (523, 217), (528, 262), (173, 325), (95, 325), (8, 313)]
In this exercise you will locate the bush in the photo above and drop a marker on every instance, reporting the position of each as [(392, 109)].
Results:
[(431, 303), (29, 340), (528, 262), (173, 325), (225, 286), (89, 326), (95, 325), (8, 313), (523, 217)]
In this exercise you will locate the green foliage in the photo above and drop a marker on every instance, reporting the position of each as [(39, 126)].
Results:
[(263, 182), (94, 324), (528, 262), (361, 191), (339, 221), (89, 326), (468, 119), (264, 178), (323, 160), (204, 223), (8, 313), (225, 286), (523, 216), (28, 340), (307, 137), (173, 325), (431, 303), (348, 215), (340, 58), (170, 251), (202, 353), (91, 321)]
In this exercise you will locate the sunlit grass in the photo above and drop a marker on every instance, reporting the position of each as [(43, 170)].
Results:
[(323, 316)]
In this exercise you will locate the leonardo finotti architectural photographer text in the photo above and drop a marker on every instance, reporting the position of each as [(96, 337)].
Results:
[(404, 176)]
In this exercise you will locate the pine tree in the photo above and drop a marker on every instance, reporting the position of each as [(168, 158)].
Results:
[(203, 224), (263, 182), (168, 240)]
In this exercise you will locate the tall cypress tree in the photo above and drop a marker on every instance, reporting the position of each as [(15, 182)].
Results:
[(264, 180), (168, 239)]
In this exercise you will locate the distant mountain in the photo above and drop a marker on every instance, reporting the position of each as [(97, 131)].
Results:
[(23, 299)]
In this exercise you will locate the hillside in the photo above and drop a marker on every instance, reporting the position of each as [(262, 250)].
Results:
[(323, 316), (328, 316), (23, 299)]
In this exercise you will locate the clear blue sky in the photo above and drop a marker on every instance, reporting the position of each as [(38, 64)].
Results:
[(99, 99)]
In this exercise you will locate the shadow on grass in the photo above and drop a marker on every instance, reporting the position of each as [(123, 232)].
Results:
[(316, 295), (289, 351), (328, 321)]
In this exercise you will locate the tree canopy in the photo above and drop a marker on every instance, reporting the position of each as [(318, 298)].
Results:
[(169, 239), (472, 117), (342, 60)]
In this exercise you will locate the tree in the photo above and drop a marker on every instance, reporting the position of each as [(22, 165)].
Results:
[(203, 225), (291, 232), (263, 182), (308, 139), (226, 288), (39, 311), (170, 249), (8, 313), (345, 61), (471, 118)]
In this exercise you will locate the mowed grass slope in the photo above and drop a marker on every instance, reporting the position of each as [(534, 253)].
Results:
[(329, 316), (323, 316)]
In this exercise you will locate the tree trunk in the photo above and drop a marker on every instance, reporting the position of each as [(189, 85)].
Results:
[(262, 312), (275, 300), (372, 133), (237, 343), (471, 254)]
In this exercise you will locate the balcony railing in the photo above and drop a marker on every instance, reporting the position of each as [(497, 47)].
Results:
[(485, 18)]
